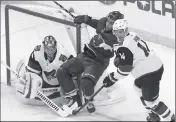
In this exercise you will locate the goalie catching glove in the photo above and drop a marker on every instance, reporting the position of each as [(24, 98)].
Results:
[(82, 19), (109, 80)]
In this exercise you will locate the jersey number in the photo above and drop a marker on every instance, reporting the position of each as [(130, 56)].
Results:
[(142, 45)]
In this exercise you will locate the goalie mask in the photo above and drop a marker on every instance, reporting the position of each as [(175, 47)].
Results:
[(50, 46)]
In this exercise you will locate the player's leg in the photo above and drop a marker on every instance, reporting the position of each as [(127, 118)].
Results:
[(150, 93), (65, 74), (93, 71), (152, 116)]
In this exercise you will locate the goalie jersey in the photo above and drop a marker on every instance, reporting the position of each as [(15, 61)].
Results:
[(38, 63), (135, 56)]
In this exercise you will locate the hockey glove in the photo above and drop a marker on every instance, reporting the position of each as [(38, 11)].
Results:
[(109, 80), (82, 19)]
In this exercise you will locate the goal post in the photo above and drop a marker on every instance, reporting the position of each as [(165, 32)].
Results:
[(39, 15), (27, 25)]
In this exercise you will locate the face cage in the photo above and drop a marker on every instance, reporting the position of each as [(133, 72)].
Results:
[(50, 51)]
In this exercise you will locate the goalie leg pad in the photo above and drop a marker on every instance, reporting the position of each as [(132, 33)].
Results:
[(20, 68), (29, 89)]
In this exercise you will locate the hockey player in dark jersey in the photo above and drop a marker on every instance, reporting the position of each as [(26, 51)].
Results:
[(40, 71), (135, 57), (91, 63)]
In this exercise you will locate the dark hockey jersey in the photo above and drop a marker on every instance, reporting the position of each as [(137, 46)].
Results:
[(101, 45)]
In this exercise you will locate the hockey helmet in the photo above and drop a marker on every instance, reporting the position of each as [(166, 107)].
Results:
[(120, 24), (50, 45), (114, 15)]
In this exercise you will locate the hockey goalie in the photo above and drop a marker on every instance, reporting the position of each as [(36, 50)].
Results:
[(40, 72)]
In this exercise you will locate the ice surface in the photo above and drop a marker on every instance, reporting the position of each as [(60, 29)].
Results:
[(129, 109)]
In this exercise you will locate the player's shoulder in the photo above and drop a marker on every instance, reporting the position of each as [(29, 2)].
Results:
[(37, 48), (103, 19), (131, 35), (131, 38), (38, 51), (134, 36)]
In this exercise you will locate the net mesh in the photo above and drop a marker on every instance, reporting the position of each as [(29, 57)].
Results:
[(27, 31)]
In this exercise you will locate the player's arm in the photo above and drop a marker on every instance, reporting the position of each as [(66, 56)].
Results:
[(33, 65), (93, 23), (65, 55), (87, 20), (124, 62)]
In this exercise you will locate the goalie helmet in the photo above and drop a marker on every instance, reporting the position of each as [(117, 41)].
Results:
[(50, 46), (114, 15)]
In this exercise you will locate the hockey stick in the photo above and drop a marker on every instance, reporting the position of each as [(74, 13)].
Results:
[(42, 96), (64, 9), (92, 96)]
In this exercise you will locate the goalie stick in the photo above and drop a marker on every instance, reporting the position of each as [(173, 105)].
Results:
[(42, 96)]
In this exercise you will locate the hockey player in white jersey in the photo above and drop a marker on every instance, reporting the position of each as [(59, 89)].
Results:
[(133, 55), (40, 72)]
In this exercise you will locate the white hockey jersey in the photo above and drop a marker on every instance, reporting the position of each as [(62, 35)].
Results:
[(136, 57), (38, 63)]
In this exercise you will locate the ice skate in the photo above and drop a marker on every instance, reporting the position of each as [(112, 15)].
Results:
[(153, 117), (90, 106)]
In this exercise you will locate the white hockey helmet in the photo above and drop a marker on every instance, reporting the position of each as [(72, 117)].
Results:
[(120, 24)]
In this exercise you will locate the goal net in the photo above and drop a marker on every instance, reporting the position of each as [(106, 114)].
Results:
[(26, 26)]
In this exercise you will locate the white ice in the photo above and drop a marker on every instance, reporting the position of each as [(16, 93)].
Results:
[(129, 109)]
